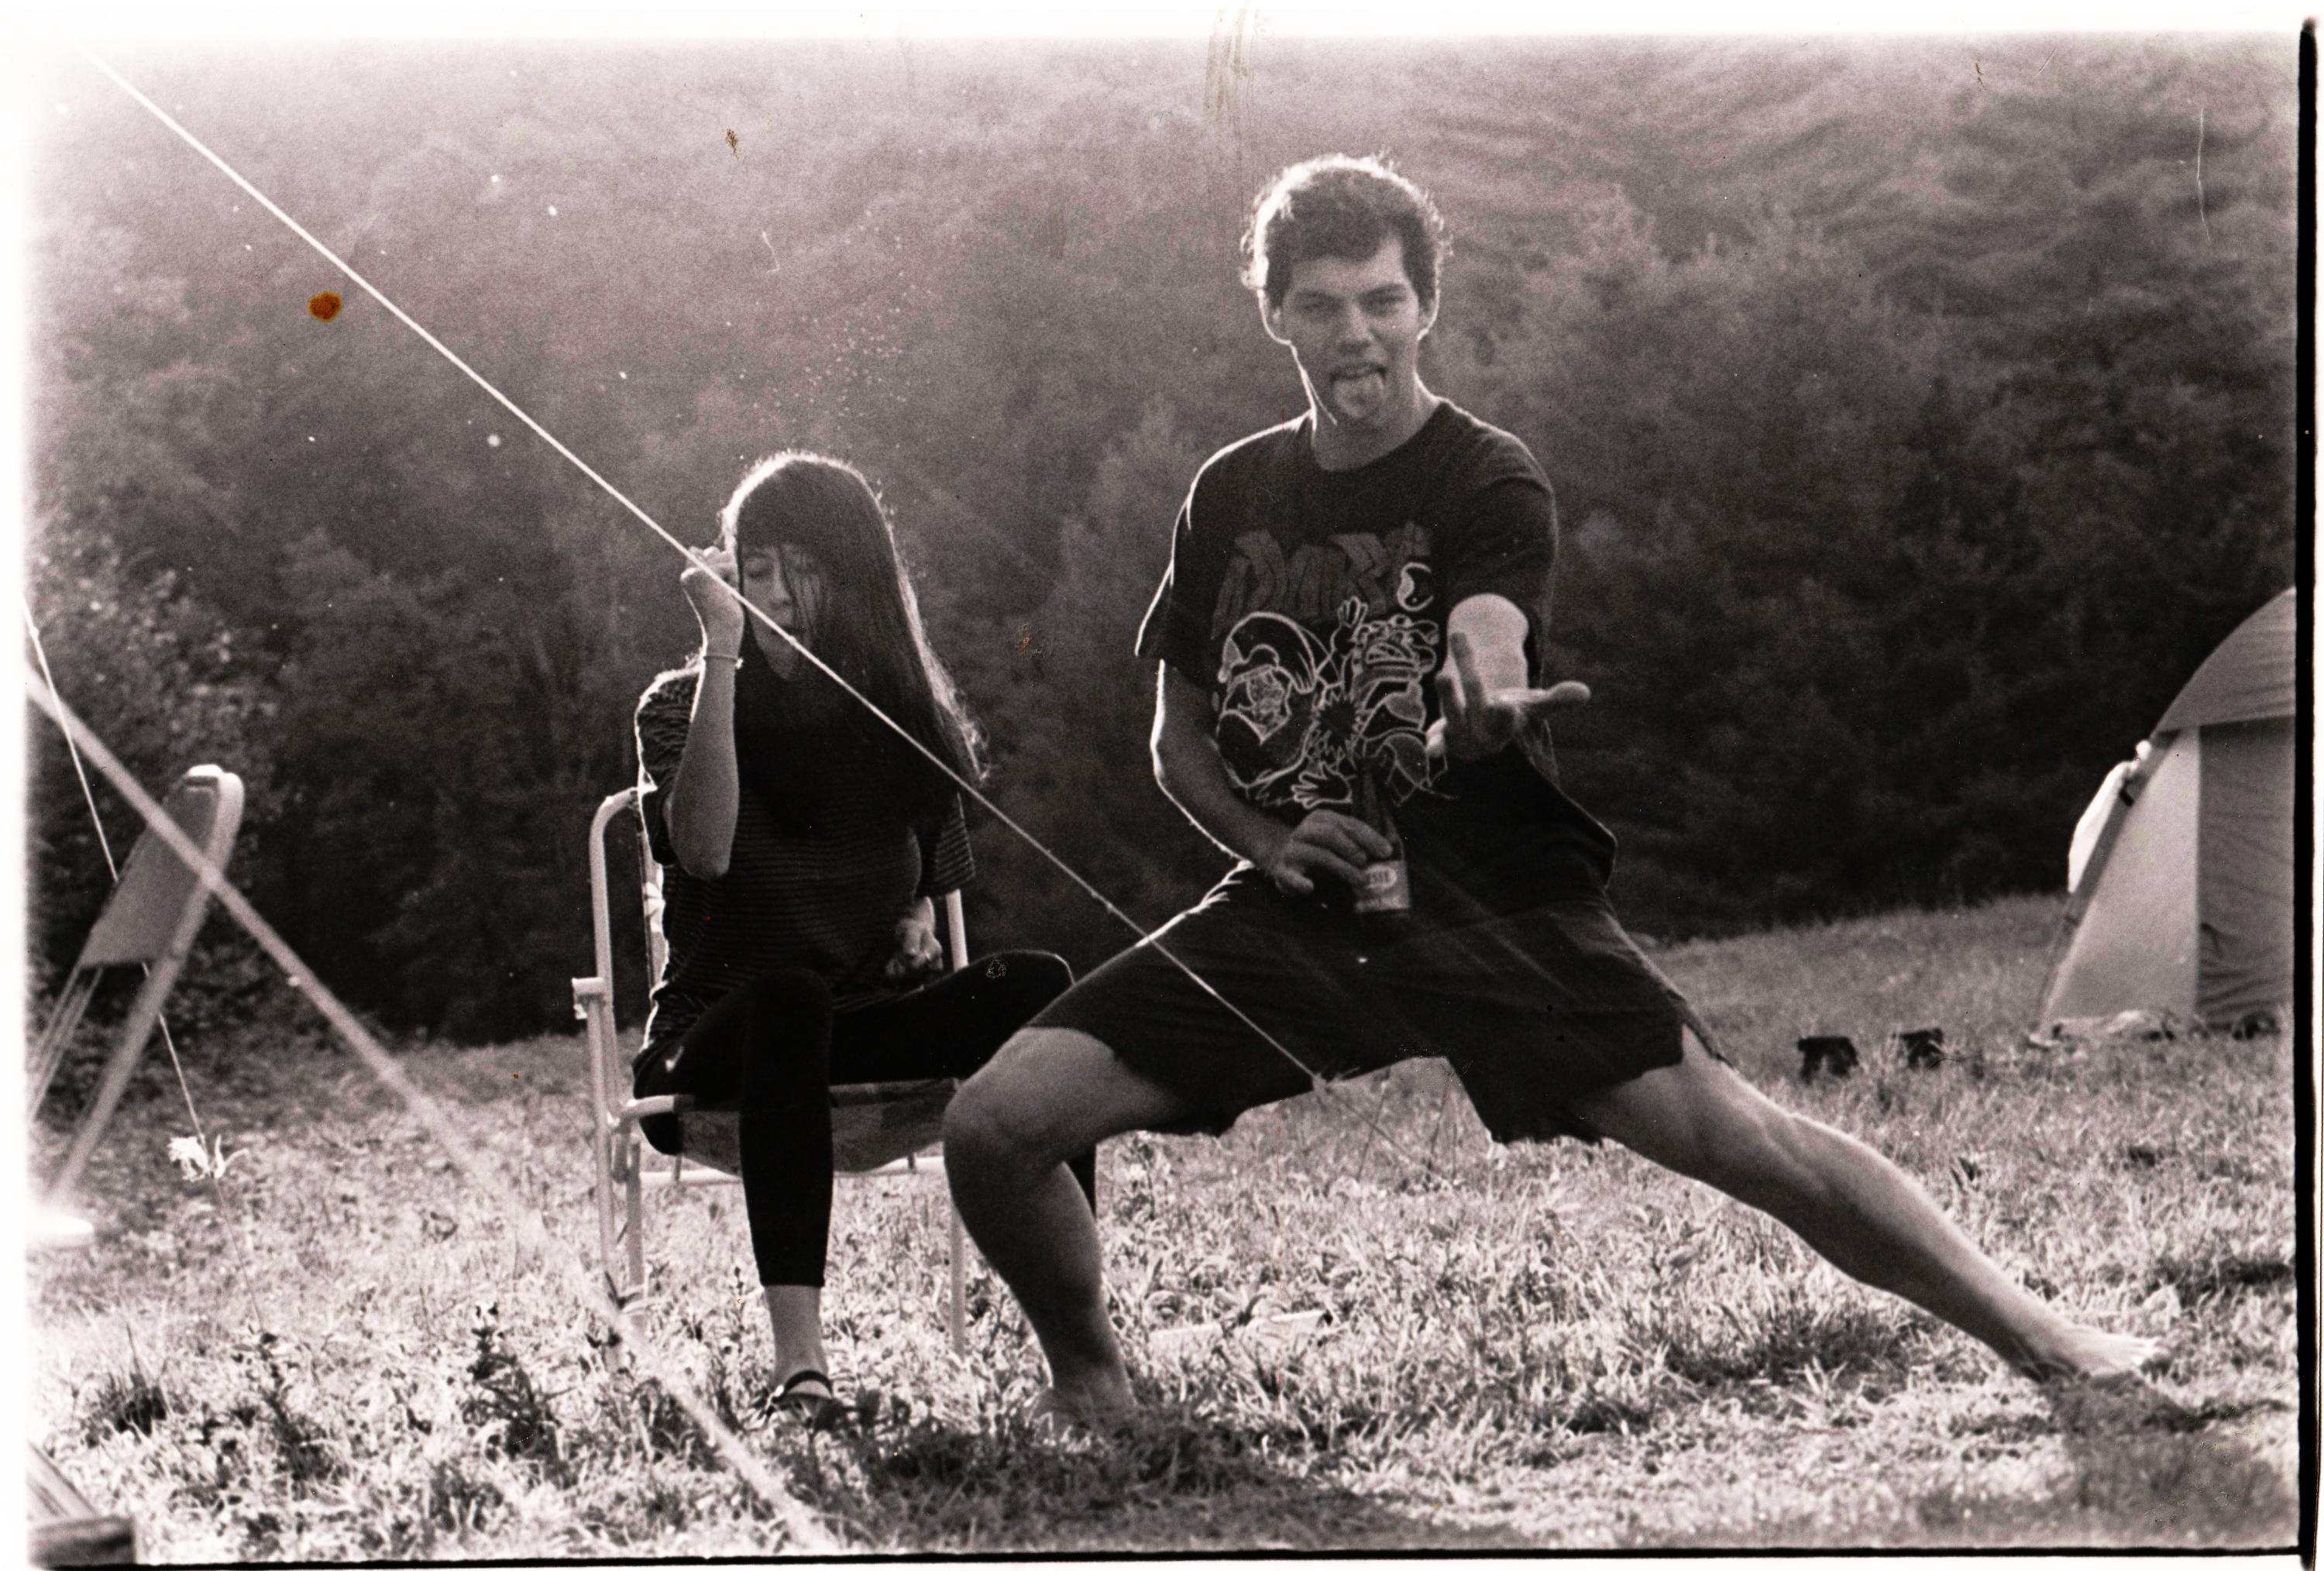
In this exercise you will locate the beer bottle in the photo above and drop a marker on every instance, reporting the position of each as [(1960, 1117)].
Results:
[(1386, 892)]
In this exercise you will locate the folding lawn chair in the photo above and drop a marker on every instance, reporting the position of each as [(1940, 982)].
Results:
[(878, 1128), (150, 919)]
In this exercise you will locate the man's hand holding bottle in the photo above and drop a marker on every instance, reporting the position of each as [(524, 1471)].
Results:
[(1333, 844)]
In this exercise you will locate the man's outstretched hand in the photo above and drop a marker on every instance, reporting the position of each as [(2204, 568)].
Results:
[(1477, 719)]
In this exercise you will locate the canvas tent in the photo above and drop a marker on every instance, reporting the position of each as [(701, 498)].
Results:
[(2180, 877)]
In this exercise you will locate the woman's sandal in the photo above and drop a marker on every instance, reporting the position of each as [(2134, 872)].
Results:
[(808, 1394)]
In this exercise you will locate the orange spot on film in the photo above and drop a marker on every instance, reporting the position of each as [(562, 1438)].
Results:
[(325, 306)]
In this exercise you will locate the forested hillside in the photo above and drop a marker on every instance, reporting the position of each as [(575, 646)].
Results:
[(1920, 417)]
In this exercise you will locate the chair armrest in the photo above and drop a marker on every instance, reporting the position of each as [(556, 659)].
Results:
[(651, 1107)]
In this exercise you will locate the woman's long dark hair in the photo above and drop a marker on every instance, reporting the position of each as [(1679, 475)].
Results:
[(868, 628)]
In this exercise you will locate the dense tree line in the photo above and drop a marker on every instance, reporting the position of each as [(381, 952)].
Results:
[(1919, 421)]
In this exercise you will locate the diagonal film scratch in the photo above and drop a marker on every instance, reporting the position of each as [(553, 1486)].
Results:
[(2202, 211)]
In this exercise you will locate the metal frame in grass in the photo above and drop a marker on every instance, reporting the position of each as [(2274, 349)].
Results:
[(150, 920), (879, 1128)]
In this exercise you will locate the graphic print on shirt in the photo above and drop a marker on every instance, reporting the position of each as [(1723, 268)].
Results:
[(1324, 666)]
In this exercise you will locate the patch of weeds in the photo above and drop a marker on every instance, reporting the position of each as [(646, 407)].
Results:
[(639, 1505), (135, 1400), (735, 1379), (1598, 1416), (2009, 1429), (220, 1465), (660, 1501), (2222, 1273), (299, 1442), (1794, 1337), (515, 1418), (663, 1429), (262, 1536), (1006, 1472), (740, 1401), (457, 1501), (1344, 1422), (930, 1453), (1171, 1452)]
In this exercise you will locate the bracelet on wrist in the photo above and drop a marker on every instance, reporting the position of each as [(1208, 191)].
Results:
[(709, 655)]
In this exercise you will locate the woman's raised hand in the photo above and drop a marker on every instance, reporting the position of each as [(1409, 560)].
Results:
[(706, 581)]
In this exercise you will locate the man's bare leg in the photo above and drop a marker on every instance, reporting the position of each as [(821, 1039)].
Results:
[(1049, 1095), (1853, 1206)]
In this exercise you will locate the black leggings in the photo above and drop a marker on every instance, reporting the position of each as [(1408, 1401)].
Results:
[(774, 1048)]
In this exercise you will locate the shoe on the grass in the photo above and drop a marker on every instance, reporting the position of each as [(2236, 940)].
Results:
[(808, 1393)]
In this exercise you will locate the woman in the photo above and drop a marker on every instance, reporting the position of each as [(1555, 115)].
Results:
[(806, 844)]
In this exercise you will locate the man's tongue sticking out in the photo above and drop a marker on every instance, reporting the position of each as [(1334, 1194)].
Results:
[(1357, 395)]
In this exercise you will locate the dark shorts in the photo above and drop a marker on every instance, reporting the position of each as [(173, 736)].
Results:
[(1532, 1008)]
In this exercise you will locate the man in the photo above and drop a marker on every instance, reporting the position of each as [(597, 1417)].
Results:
[(1321, 574)]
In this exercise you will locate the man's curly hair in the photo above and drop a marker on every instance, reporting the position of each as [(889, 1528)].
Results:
[(1342, 206)]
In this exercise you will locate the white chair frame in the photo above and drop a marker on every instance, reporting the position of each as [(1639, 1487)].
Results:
[(885, 1112)]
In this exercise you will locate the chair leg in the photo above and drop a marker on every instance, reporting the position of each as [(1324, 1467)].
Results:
[(634, 1188), (607, 1138), (127, 1049), (64, 1020), (620, 1215), (955, 1311), (603, 1183)]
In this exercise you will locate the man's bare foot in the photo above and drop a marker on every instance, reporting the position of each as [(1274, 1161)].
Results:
[(2087, 1352), (1057, 1416)]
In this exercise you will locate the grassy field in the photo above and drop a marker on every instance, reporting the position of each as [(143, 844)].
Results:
[(1355, 1323)]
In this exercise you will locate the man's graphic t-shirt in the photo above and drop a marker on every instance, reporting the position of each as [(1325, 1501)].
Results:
[(1311, 605)]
